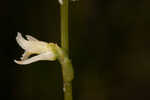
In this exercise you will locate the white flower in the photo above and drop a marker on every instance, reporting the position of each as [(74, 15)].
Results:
[(44, 50)]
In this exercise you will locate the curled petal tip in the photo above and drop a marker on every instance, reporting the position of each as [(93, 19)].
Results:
[(18, 62), (22, 62), (18, 33), (30, 38), (21, 41)]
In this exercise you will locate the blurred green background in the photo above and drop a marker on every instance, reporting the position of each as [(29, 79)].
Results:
[(109, 48)]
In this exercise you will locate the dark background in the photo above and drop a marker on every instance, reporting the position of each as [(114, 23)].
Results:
[(109, 48)]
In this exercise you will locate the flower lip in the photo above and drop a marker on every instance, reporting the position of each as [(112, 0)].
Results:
[(34, 46)]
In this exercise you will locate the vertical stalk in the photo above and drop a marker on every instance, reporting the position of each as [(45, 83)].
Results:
[(67, 69), (64, 25)]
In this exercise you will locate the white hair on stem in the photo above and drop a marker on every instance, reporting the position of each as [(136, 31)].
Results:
[(60, 2)]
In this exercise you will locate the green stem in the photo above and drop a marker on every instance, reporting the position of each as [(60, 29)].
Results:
[(67, 69), (64, 25)]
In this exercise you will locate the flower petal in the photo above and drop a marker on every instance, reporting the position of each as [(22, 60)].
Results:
[(25, 55), (30, 38), (43, 56), (20, 40)]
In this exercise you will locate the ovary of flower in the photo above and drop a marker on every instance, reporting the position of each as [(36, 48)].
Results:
[(44, 50)]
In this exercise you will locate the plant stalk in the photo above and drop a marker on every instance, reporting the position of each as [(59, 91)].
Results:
[(67, 69), (64, 25)]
